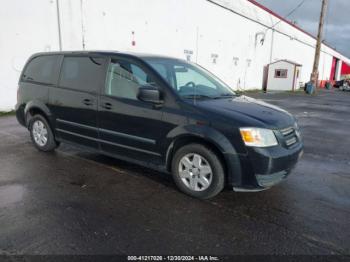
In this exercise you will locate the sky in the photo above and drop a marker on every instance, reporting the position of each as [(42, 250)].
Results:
[(337, 27)]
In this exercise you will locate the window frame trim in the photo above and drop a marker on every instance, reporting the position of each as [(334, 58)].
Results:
[(281, 77)]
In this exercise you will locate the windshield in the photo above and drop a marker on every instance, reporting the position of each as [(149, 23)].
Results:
[(190, 80)]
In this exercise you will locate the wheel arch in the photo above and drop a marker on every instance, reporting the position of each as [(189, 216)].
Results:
[(191, 139), (37, 107), (215, 141)]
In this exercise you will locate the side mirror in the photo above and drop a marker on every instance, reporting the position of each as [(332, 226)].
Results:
[(149, 94)]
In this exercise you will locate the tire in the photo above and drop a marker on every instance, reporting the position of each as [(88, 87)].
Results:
[(191, 166), (41, 134)]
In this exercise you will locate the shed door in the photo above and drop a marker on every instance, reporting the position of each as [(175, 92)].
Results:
[(296, 78)]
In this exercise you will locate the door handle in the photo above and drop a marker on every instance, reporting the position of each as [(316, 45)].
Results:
[(107, 106), (88, 102)]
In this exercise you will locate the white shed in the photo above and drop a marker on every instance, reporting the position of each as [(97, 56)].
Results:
[(283, 75)]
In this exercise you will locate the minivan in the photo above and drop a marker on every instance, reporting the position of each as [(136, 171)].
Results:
[(159, 112)]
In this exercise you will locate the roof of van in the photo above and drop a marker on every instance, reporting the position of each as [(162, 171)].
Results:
[(101, 52)]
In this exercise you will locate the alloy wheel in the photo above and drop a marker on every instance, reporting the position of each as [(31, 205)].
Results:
[(195, 172), (40, 133)]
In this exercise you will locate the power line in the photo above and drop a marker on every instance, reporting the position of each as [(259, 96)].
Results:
[(290, 13), (265, 25)]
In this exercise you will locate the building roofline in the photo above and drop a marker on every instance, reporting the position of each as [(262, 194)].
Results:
[(254, 2)]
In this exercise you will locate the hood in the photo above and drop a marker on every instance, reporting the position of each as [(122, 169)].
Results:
[(249, 112)]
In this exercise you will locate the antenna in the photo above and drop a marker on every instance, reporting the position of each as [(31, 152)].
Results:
[(195, 94)]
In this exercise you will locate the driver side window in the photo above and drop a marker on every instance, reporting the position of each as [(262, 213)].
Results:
[(124, 79)]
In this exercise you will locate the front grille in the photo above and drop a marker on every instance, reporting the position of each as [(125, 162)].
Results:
[(291, 141), (287, 131), (290, 137)]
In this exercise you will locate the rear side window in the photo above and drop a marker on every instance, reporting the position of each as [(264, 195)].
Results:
[(41, 69), (82, 73)]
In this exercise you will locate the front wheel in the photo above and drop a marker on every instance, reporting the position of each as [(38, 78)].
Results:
[(41, 134), (198, 171)]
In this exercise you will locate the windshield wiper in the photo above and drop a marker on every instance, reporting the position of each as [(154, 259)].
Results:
[(198, 97), (228, 95)]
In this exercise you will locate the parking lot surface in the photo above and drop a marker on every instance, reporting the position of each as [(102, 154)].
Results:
[(76, 202)]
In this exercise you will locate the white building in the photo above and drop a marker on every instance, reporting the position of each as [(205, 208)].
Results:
[(234, 39), (283, 75)]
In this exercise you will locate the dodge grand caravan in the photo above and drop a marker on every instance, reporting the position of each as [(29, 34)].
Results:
[(161, 113)]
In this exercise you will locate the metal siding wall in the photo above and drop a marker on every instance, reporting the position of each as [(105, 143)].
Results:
[(167, 27), (27, 27), (72, 24), (345, 70)]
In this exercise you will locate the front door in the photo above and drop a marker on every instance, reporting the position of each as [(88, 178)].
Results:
[(129, 127)]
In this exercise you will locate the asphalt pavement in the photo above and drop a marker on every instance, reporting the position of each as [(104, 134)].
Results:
[(76, 202)]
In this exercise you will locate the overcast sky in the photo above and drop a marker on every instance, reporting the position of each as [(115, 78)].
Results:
[(337, 30)]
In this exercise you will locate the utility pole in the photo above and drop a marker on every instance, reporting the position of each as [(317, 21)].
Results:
[(315, 72)]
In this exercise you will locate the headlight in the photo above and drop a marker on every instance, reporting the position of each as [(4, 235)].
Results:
[(297, 129), (258, 137), (296, 125)]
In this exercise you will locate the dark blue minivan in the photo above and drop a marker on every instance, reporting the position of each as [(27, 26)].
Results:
[(159, 112)]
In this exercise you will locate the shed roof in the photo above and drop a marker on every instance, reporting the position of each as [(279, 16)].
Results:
[(287, 61)]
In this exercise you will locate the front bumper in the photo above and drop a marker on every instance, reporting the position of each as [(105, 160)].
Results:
[(263, 168), (269, 161)]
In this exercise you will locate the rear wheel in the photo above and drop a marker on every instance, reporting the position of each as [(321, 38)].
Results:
[(198, 171), (41, 134)]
